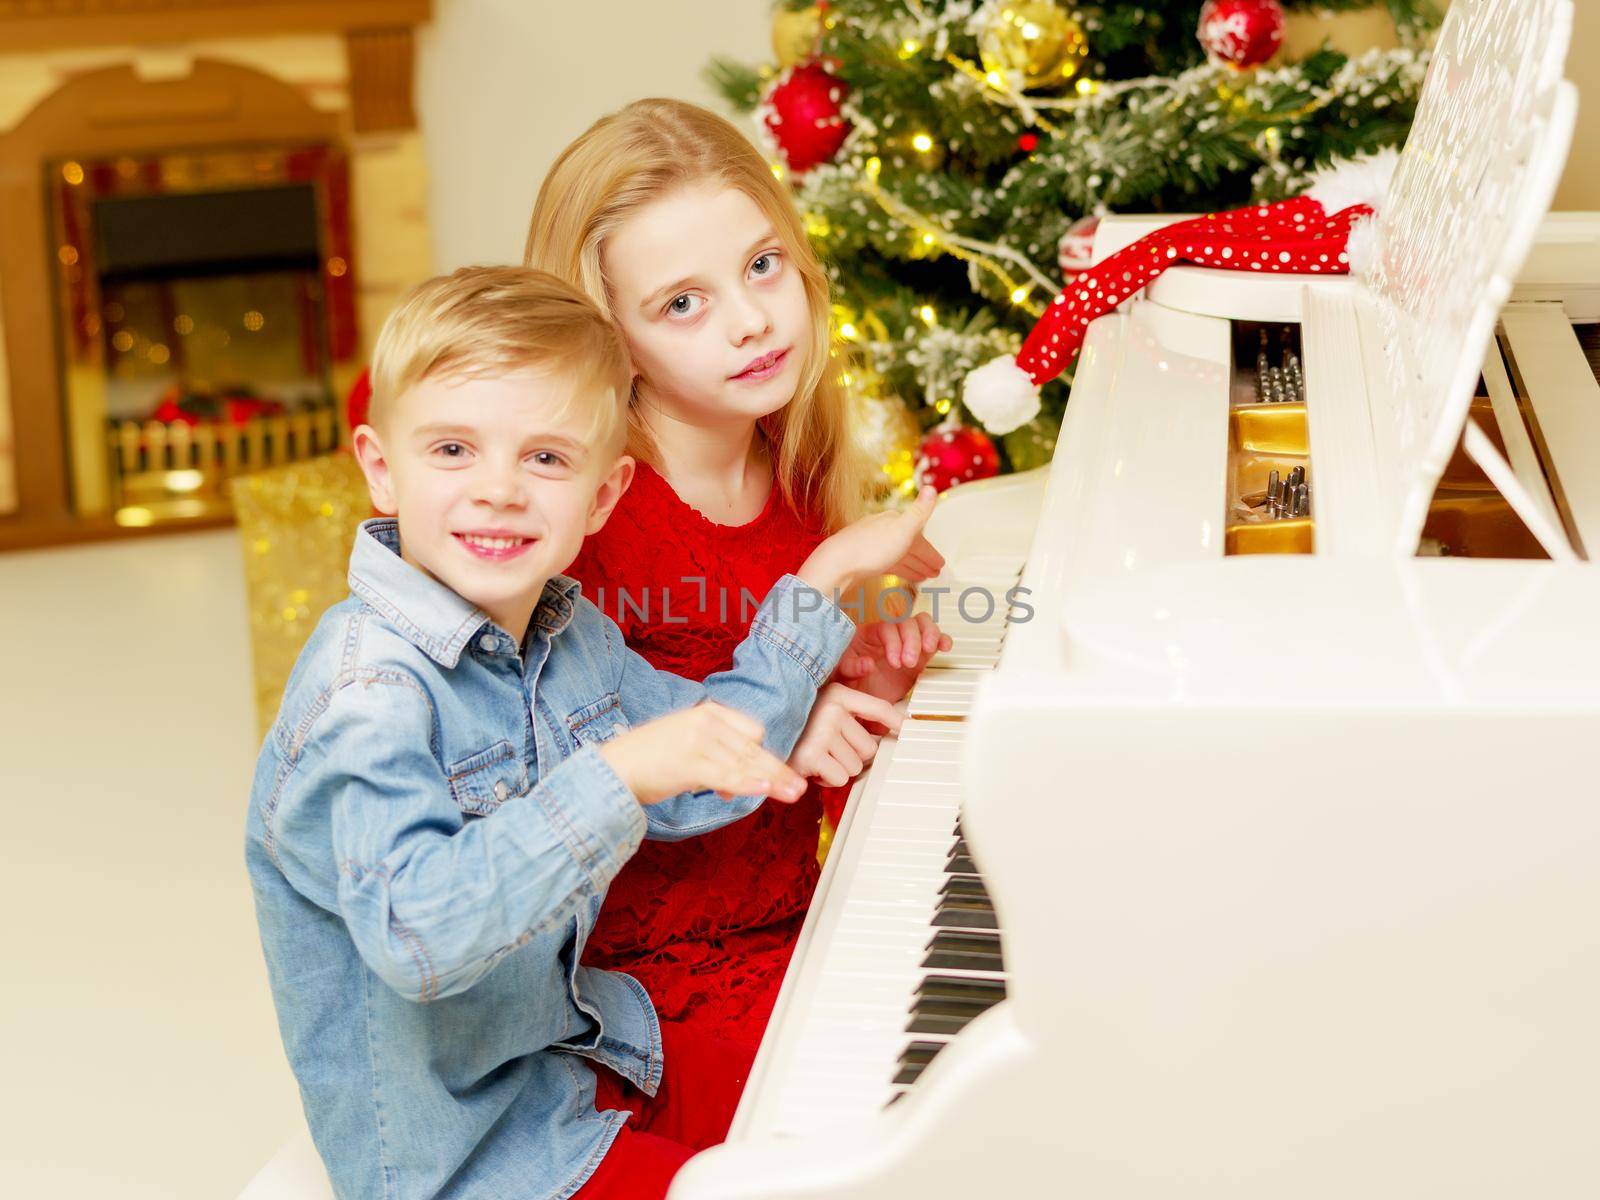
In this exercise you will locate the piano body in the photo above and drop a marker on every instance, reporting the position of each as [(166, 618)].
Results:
[(1252, 854)]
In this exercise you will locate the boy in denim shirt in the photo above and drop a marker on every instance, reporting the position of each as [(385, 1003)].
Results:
[(466, 754)]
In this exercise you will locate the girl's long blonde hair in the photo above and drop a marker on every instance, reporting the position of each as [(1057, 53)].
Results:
[(642, 152)]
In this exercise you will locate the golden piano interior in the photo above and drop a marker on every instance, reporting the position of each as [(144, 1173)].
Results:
[(1268, 433)]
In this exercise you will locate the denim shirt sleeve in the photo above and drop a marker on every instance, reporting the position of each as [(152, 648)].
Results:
[(433, 900), (792, 647)]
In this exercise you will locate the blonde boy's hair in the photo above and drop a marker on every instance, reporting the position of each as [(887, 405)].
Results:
[(651, 148), (494, 321)]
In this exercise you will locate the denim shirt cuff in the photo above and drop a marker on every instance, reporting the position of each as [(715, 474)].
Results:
[(801, 622), (601, 821)]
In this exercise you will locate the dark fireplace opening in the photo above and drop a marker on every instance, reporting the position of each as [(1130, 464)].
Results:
[(203, 320)]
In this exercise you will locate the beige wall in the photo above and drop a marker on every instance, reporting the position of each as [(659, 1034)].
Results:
[(503, 85), (1581, 186)]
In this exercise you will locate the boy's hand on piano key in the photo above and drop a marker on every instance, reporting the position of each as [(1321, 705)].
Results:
[(885, 657), (836, 745), (886, 543), (709, 747)]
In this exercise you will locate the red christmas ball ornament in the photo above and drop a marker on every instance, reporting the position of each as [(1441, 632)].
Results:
[(1028, 143), (953, 454), (803, 116), (359, 400), (1241, 33)]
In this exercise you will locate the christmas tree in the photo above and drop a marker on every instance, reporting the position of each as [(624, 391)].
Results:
[(952, 156)]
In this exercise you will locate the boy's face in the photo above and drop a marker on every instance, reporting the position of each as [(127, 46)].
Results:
[(493, 490)]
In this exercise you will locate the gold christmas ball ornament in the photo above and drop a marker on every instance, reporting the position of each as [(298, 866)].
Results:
[(1036, 39), (795, 33), (889, 432)]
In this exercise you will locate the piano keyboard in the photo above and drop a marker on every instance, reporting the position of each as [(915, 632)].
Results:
[(902, 947)]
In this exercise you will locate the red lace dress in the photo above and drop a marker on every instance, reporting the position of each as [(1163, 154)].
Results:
[(706, 924)]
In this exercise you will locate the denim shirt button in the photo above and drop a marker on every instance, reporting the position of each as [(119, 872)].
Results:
[(487, 643), (501, 791)]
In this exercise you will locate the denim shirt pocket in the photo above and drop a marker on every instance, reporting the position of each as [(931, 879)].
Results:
[(482, 782), (597, 722)]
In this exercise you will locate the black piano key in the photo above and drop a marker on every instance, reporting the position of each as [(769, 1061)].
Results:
[(967, 887), (954, 914), (931, 1021), (962, 989), (914, 1058), (948, 1012), (960, 864), (967, 950)]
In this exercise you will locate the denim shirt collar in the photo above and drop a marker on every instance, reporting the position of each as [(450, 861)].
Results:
[(431, 616)]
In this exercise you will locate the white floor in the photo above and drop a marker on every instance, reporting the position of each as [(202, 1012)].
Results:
[(139, 1055)]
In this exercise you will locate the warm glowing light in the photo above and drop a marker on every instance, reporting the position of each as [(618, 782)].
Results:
[(926, 313), (183, 481), (68, 255), (337, 266), (1087, 87), (122, 341), (72, 173), (1018, 295), (847, 331), (995, 79), (183, 325), (159, 354), (909, 47), (922, 142), (254, 321), (928, 239), (136, 518), (942, 407)]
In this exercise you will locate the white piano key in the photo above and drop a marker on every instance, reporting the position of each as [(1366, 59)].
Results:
[(854, 981)]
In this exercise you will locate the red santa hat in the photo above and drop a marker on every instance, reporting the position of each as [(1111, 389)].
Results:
[(1314, 234)]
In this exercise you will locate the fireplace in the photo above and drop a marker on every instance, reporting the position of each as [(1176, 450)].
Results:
[(206, 208), (202, 300)]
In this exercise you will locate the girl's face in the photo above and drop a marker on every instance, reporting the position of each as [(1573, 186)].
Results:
[(714, 312)]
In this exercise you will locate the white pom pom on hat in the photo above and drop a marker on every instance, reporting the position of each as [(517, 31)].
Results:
[(1001, 395)]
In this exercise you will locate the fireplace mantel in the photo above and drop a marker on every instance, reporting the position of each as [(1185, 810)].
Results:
[(35, 25)]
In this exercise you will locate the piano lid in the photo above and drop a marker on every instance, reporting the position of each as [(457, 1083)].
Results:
[(1478, 172)]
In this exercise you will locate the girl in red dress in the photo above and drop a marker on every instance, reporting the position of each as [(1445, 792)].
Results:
[(671, 220)]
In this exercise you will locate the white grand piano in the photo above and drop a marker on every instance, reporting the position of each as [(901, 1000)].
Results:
[(1259, 856)]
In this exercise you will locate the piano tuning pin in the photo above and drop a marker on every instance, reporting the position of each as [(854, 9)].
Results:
[(1274, 487), (1302, 501), (1297, 476)]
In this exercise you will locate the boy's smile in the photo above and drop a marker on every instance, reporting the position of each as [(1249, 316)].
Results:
[(495, 480)]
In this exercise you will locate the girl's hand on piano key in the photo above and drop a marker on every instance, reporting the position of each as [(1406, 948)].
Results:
[(886, 543), (885, 657), (836, 744)]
